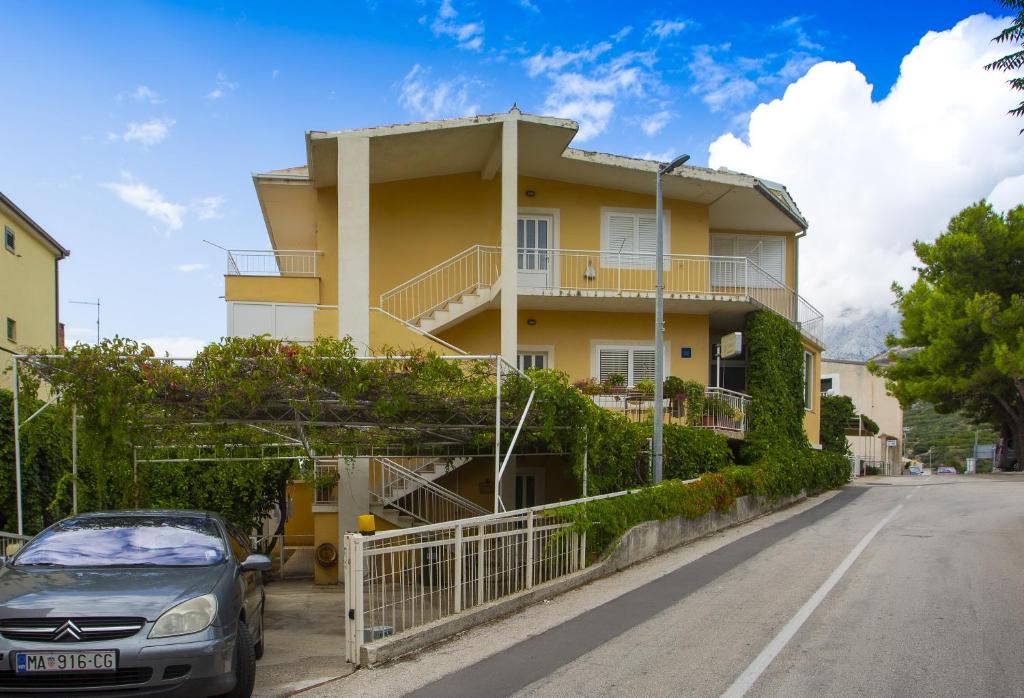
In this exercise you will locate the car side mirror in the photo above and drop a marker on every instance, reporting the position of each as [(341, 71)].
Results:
[(256, 563)]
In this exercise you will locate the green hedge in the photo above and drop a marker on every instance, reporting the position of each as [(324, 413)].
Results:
[(606, 520)]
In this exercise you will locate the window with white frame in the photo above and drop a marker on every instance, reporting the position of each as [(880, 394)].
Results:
[(768, 252), (633, 363), (9, 239), (629, 239), (532, 359), (808, 380)]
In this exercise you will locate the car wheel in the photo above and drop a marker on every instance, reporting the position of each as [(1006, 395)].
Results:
[(257, 650), (245, 664)]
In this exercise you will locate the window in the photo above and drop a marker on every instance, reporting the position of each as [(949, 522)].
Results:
[(808, 380), (630, 238), (12, 330), (768, 252), (633, 363), (8, 239), (532, 359), (533, 243), (826, 386)]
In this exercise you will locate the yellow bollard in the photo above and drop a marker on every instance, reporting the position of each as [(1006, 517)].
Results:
[(367, 524)]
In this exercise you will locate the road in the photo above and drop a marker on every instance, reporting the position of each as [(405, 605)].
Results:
[(903, 587)]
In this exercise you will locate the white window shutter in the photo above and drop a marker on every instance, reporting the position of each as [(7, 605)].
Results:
[(723, 273), (647, 240), (612, 361), (621, 232), (643, 365), (773, 257)]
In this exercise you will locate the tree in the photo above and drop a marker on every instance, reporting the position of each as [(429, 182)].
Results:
[(837, 413), (1013, 34), (961, 335)]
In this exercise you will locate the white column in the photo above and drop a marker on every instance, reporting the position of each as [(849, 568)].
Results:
[(509, 216), (354, 240)]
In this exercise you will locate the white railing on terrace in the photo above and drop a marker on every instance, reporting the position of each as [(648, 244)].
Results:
[(595, 272), (467, 272), (723, 410), (601, 273), (398, 487), (272, 263), (10, 543), (399, 580)]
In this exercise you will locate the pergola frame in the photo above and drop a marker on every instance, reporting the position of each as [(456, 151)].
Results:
[(452, 433)]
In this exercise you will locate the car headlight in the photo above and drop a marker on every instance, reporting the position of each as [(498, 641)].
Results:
[(187, 617)]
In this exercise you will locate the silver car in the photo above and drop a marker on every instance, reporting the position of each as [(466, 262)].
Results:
[(149, 602)]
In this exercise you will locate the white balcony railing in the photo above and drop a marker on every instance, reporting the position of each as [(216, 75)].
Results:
[(722, 410), (468, 271), (272, 263), (425, 501), (566, 272)]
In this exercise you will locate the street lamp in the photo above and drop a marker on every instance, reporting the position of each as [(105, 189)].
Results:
[(659, 325)]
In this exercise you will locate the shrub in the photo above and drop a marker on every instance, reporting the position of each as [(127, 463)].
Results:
[(690, 451)]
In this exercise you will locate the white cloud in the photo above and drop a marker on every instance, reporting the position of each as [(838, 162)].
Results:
[(190, 267), (873, 176), (720, 85), (622, 33), (433, 99), (178, 347), (148, 132), (664, 28), (652, 124), (274, 73), (208, 208), (528, 5), (468, 35), (143, 93), (148, 200), (1009, 193), (795, 25), (587, 90), (543, 62), (221, 87)]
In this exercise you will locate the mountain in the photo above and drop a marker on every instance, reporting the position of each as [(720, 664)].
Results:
[(859, 335)]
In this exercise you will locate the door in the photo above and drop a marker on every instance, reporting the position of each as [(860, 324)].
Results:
[(534, 260)]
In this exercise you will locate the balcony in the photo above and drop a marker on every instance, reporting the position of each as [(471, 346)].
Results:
[(469, 281), (702, 278), (723, 411), (300, 263)]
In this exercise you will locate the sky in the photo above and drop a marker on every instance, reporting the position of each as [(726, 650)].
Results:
[(130, 130)]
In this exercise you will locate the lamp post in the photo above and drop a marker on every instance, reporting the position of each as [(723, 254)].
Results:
[(659, 325)]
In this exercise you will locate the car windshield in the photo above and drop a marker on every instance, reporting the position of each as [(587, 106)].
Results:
[(126, 541)]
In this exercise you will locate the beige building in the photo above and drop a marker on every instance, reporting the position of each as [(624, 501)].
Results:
[(29, 287), (852, 378)]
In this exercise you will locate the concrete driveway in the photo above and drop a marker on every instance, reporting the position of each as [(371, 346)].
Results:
[(305, 643)]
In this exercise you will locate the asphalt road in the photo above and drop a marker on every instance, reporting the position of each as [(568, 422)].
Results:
[(908, 588)]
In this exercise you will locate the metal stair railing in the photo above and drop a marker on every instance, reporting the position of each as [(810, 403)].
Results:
[(429, 291), (414, 495)]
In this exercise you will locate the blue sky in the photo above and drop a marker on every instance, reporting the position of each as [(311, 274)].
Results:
[(130, 130)]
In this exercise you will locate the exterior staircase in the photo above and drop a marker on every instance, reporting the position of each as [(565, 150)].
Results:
[(453, 290), (406, 495)]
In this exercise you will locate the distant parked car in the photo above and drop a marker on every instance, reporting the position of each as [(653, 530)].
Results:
[(159, 602), (945, 470), (916, 470)]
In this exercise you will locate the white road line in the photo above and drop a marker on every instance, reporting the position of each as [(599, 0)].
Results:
[(753, 672)]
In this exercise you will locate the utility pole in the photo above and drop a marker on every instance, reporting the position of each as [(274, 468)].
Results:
[(657, 451)]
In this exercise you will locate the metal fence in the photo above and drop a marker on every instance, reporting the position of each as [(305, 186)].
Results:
[(399, 580), (723, 410), (11, 542), (272, 263)]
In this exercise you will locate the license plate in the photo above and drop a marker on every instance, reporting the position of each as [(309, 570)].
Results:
[(29, 662)]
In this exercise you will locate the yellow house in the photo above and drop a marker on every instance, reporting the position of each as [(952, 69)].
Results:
[(29, 286), (491, 235)]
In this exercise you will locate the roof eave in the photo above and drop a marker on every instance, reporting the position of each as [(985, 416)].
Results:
[(62, 252)]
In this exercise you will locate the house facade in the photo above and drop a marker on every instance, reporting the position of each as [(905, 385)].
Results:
[(491, 235), (883, 450), (29, 287)]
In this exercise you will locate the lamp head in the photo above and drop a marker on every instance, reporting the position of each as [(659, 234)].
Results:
[(674, 164)]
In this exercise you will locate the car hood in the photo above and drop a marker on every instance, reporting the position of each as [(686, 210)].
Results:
[(33, 592)]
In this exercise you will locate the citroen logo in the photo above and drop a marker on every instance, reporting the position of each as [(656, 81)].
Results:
[(68, 631)]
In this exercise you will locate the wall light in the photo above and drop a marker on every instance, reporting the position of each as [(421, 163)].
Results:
[(531, 193), (531, 322)]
